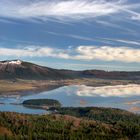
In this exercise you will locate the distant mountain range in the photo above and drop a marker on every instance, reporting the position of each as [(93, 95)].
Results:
[(17, 69)]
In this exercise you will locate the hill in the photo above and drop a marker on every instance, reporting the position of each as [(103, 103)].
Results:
[(98, 124), (17, 69)]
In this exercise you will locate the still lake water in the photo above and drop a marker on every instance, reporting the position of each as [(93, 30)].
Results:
[(122, 96)]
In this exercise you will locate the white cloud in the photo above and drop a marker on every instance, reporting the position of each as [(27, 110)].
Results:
[(107, 53), (90, 53), (109, 91), (62, 10), (33, 51)]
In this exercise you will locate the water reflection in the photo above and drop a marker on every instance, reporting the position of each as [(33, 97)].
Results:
[(110, 91), (121, 96)]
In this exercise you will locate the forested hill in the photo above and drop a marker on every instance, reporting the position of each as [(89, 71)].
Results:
[(98, 124)]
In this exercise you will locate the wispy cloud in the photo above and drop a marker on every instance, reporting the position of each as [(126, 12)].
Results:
[(63, 10), (97, 39), (80, 37), (136, 17), (4, 39), (89, 53), (130, 42), (113, 24), (7, 21)]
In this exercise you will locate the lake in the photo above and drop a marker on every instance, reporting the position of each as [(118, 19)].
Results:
[(121, 96)]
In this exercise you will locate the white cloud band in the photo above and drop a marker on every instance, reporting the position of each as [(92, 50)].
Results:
[(103, 53), (108, 53)]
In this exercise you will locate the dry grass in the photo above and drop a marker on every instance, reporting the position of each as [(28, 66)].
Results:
[(9, 86), (5, 131)]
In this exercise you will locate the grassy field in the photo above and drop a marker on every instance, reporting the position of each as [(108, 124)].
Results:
[(10, 86)]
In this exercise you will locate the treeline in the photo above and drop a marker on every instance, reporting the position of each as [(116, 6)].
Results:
[(42, 102), (106, 115), (89, 124)]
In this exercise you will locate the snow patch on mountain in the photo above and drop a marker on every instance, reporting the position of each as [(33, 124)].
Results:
[(14, 62)]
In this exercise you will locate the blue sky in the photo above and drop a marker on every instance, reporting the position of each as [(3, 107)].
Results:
[(72, 34)]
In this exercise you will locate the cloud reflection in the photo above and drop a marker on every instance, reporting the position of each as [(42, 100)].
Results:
[(109, 91)]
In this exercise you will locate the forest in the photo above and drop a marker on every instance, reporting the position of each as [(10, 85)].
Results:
[(90, 123), (42, 103)]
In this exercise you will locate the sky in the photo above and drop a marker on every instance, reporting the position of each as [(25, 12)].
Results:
[(72, 34)]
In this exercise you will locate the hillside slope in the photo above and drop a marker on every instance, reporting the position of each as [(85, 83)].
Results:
[(24, 70), (98, 124), (17, 69)]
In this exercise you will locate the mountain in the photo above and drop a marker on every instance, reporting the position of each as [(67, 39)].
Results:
[(24, 70)]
